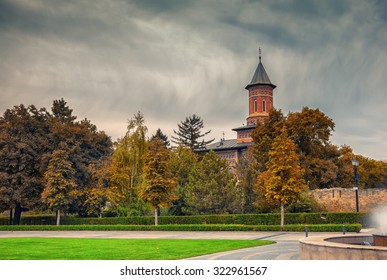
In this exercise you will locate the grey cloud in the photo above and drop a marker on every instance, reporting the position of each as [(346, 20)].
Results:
[(170, 59)]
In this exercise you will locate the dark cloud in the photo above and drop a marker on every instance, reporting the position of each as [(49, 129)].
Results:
[(171, 59)]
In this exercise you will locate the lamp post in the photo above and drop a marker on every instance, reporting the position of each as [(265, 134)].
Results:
[(355, 164)]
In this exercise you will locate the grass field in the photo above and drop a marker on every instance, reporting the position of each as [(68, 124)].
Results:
[(115, 249)]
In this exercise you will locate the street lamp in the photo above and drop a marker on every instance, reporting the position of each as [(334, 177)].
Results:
[(355, 164)]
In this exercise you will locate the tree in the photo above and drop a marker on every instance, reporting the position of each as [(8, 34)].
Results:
[(182, 163), (99, 189), (62, 112), (263, 136), (23, 149), (247, 173), (212, 189), (159, 186), (283, 181), (162, 136), (84, 144), (189, 133), (59, 183), (311, 130), (127, 166)]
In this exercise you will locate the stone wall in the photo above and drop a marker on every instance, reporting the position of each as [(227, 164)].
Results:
[(344, 200)]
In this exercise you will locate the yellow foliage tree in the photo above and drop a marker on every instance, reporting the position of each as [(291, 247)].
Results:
[(283, 181), (159, 185)]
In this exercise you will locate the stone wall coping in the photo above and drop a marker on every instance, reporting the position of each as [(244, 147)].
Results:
[(330, 243)]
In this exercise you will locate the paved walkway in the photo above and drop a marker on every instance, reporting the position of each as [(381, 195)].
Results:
[(286, 248)]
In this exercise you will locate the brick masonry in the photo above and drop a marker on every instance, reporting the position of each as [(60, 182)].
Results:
[(344, 200)]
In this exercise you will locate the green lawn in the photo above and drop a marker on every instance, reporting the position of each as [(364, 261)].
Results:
[(115, 249)]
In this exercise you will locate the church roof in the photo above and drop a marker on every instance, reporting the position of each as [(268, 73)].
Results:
[(231, 144), (260, 77), (245, 127)]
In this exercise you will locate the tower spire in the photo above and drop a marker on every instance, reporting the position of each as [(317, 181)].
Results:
[(259, 54)]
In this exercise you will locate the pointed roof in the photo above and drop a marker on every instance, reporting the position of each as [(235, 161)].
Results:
[(260, 76)]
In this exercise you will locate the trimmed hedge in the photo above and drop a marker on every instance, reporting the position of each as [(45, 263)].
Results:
[(240, 219), (300, 228)]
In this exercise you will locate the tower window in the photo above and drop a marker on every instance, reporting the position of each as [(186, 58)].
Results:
[(255, 105), (263, 105)]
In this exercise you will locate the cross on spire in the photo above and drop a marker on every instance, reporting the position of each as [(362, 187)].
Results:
[(259, 54)]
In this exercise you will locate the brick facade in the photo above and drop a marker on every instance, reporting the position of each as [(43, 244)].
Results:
[(344, 200)]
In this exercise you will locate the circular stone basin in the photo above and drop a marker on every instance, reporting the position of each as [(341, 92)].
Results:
[(380, 239), (349, 247)]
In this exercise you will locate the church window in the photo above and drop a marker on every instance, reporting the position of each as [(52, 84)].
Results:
[(255, 105), (263, 105)]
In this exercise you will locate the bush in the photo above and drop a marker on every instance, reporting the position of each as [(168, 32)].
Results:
[(191, 227), (244, 219)]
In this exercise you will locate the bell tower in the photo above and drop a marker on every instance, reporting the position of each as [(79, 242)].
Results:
[(260, 95)]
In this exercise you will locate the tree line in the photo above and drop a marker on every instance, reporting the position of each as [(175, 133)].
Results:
[(52, 161), (293, 154)]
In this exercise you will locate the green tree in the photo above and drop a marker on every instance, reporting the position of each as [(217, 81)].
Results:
[(189, 133), (182, 163), (283, 181), (159, 185), (212, 189), (247, 173), (60, 183), (162, 136)]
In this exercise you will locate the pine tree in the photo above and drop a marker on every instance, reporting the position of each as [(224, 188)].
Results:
[(189, 133), (162, 136), (60, 183)]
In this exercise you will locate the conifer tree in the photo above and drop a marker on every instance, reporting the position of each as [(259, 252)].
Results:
[(189, 133), (162, 136)]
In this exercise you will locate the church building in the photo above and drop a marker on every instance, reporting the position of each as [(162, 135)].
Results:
[(260, 92)]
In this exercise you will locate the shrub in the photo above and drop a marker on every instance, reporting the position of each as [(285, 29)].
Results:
[(190, 227), (243, 219)]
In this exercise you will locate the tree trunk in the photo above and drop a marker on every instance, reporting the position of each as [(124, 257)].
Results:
[(17, 216), (10, 216), (282, 215), (58, 217), (156, 217)]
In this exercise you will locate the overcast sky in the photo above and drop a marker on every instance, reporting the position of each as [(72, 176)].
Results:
[(171, 59)]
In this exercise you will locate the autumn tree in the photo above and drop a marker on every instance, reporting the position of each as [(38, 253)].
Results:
[(60, 183), (99, 190), (212, 189), (84, 144), (189, 133), (311, 130), (23, 149), (283, 181), (159, 185), (263, 136), (127, 166)]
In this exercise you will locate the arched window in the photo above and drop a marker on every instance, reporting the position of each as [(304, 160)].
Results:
[(255, 105), (263, 105)]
